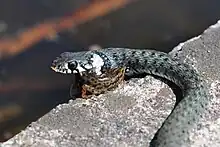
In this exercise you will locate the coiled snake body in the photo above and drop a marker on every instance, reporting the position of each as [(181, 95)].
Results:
[(102, 68)]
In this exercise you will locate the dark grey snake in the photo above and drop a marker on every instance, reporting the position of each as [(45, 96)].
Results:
[(175, 130)]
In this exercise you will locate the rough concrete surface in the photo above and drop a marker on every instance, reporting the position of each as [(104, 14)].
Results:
[(130, 115)]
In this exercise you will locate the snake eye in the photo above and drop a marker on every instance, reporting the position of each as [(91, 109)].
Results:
[(72, 65)]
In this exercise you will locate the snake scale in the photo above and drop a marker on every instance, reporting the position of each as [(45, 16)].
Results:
[(175, 129)]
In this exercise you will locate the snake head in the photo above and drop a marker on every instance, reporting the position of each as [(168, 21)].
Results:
[(78, 62)]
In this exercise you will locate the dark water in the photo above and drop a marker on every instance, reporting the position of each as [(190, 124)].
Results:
[(143, 24)]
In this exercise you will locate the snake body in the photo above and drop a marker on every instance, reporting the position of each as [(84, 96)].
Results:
[(175, 130)]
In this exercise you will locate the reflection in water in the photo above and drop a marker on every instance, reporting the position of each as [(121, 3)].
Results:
[(9, 111)]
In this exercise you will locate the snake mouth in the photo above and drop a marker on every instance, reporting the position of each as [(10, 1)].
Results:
[(53, 68), (67, 71), (63, 70)]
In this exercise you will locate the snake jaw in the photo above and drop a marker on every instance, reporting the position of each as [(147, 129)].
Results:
[(69, 63), (53, 68), (63, 68)]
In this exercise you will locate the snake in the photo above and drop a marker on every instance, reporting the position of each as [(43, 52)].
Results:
[(98, 66)]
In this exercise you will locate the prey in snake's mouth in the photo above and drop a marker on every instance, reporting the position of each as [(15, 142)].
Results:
[(98, 84), (94, 80)]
